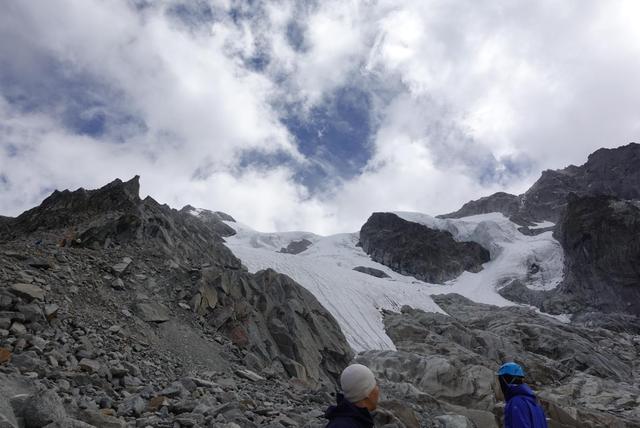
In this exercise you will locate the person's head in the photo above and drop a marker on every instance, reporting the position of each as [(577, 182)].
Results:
[(510, 374), (359, 386)]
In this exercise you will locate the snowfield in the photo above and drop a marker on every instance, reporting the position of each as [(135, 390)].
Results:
[(356, 299)]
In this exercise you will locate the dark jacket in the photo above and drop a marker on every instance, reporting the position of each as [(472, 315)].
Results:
[(346, 415), (522, 409)]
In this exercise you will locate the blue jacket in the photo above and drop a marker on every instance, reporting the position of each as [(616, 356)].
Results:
[(346, 415), (523, 410)]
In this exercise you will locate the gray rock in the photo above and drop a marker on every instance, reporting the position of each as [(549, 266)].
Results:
[(51, 311), (18, 329), (133, 405), (118, 284), (371, 271), (27, 291), (31, 312), (153, 312), (89, 365), (39, 409), (95, 418), (445, 364), (176, 389), (296, 247), (249, 375), (453, 421), (120, 268), (69, 423), (413, 249)]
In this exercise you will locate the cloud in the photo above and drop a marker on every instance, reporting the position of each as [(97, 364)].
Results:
[(310, 115)]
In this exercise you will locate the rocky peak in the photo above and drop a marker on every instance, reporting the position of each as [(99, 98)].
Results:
[(613, 172), (413, 249), (214, 219), (65, 208)]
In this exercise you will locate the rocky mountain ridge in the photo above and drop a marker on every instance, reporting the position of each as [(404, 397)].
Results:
[(117, 311), (612, 172)]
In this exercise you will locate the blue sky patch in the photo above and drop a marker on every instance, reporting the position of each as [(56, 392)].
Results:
[(335, 135), (80, 102)]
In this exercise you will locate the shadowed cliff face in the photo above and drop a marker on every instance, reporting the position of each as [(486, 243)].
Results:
[(413, 249), (614, 172), (601, 239)]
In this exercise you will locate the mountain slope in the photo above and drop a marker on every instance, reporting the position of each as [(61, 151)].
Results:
[(111, 302)]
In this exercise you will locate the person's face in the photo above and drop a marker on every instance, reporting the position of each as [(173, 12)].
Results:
[(373, 398)]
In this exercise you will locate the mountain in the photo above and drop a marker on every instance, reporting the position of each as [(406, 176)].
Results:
[(111, 302), (428, 348), (119, 311), (612, 172)]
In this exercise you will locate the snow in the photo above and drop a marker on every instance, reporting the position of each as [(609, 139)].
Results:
[(542, 225), (513, 254), (356, 299), (196, 212)]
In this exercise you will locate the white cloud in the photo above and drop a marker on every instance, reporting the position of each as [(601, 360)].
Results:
[(461, 91)]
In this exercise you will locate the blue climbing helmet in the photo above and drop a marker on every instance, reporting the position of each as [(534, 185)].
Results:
[(511, 369)]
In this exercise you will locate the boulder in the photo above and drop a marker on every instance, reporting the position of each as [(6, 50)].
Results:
[(39, 409), (27, 291), (153, 312)]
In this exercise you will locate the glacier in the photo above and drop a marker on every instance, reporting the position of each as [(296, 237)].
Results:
[(357, 299)]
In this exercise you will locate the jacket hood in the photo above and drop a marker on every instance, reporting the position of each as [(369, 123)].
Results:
[(522, 390), (346, 409)]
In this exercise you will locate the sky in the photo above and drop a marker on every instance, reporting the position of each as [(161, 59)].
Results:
[(310, 115)]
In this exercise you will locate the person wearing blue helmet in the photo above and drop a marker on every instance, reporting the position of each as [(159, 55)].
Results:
[(522, 409)]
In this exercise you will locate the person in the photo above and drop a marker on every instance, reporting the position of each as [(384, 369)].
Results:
[(522, 409), (359, 397)]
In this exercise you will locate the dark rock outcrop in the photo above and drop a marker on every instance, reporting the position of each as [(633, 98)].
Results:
[(614, 172), (276, 319), (296, 247), (214, 219), (114, 215), (413, 249), (500, 202), (371, 271), (600, 236)]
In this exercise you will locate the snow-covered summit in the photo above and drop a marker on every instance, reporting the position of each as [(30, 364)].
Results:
[(356, 299)]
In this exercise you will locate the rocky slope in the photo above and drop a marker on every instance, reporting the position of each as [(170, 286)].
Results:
[(446, 364), (612, 172), (413, 249), (117, 311)]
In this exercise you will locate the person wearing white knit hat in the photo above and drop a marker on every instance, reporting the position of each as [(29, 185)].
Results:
[(360, 394)]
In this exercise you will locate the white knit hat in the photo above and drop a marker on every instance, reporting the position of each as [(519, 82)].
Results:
[(357, 382)]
